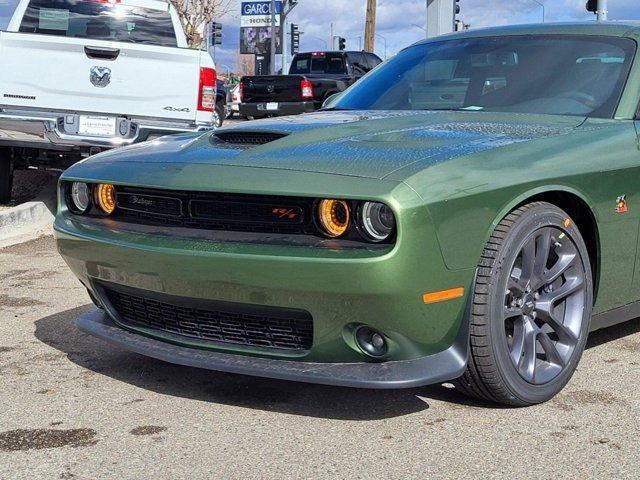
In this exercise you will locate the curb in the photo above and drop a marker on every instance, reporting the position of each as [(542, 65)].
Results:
[(24, 222)]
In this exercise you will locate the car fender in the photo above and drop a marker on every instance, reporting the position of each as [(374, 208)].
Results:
[(534, 192)]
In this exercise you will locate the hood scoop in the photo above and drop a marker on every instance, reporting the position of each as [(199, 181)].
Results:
[(248, 138)]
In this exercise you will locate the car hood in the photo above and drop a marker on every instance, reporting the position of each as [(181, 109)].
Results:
[(359, 144)]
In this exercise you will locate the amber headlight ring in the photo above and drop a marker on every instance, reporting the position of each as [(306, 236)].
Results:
[(333, 217), (105, 198)]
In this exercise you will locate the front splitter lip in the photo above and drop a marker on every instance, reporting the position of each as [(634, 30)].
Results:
[(440, 367)]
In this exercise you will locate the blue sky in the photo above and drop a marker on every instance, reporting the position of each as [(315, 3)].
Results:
[(396, 19)]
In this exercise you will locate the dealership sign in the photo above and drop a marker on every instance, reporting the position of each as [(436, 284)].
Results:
[(258, 14)]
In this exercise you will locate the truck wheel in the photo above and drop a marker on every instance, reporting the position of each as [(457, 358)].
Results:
[(6, 175), (532, 306), (219, 115)]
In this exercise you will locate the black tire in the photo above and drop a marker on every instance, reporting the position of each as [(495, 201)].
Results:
[(6, 175), (219, 115), (526, 341)]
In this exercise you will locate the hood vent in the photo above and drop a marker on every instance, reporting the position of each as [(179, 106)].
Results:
[(248, 138)]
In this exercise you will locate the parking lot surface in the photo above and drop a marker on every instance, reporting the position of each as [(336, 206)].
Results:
[(72, 407)]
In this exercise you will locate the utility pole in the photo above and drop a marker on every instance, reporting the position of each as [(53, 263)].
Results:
[(370, 26), (603, 11), (272, 66)]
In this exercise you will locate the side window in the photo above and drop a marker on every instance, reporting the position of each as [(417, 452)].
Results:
[(372, 60), (358, 64)]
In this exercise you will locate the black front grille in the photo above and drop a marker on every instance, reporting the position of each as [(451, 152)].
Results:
[(249, 138), (216, 211), (262, 327)]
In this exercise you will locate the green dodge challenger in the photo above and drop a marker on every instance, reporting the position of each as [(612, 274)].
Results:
[(469, 211)]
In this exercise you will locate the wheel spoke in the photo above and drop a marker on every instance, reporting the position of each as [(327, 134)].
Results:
[(566, 259), (545, 313), (572, 285), (527, 361), (528, 261), (517, 345), (543, 248), (550, 350)]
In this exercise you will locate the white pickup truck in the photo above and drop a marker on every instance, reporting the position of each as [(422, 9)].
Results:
[(79, 76)]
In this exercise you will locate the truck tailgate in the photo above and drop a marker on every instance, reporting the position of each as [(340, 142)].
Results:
[(82, 75), (280, 88)]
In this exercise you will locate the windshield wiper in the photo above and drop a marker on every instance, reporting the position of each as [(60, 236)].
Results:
[(336, 109), (455, 109)]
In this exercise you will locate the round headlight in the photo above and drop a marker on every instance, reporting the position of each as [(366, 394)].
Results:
[(106, 198), (377, 221), (334, 217), (80, 197)]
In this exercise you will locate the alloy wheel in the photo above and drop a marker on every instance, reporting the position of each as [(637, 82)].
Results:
[(544, 305)]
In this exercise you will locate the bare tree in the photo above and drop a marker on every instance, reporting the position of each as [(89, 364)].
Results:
[(245, 65), (196, 14)]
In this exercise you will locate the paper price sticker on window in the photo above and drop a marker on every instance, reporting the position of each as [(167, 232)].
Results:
[(53, 19)]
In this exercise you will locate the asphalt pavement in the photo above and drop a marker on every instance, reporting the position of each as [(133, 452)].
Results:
[(72, 407)]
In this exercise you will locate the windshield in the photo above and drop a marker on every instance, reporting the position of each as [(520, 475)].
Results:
[(99, 20), (318, 63), (563, 75)]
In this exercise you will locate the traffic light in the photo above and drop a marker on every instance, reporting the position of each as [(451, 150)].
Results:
[(592, 6), (342, 43), (295, 39), (457, 7), (216, 33)]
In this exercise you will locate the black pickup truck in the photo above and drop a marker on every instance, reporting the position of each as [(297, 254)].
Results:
[(313, 77)]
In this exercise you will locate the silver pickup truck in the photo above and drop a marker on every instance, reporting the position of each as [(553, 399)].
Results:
[(80, 76)]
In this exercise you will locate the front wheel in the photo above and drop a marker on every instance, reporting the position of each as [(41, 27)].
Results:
[(532, 305), (6, 175)]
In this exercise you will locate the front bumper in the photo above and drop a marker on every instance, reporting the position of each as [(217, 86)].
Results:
[(340, 286), (276, 109), (440, 367), (54, 130)]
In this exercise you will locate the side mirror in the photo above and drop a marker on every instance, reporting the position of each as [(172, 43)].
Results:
[(331, 100)]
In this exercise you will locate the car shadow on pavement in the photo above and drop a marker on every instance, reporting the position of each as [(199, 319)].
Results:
[(616, 332), (59, 331)]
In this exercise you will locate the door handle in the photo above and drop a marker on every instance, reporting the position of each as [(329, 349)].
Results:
[(102, 53)]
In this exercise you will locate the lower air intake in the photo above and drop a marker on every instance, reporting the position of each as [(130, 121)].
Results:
[(225, 323)]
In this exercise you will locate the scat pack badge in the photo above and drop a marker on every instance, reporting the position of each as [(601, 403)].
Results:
[(621, 205)]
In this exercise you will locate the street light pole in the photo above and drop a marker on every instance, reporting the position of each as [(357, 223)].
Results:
[(385, 44), (272, 67)]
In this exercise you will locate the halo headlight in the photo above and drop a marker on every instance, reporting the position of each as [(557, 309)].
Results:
[(376, 221), (334, 217), (105, 197)]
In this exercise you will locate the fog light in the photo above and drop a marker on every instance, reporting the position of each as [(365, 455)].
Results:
[(106, 198), (371, 342)]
